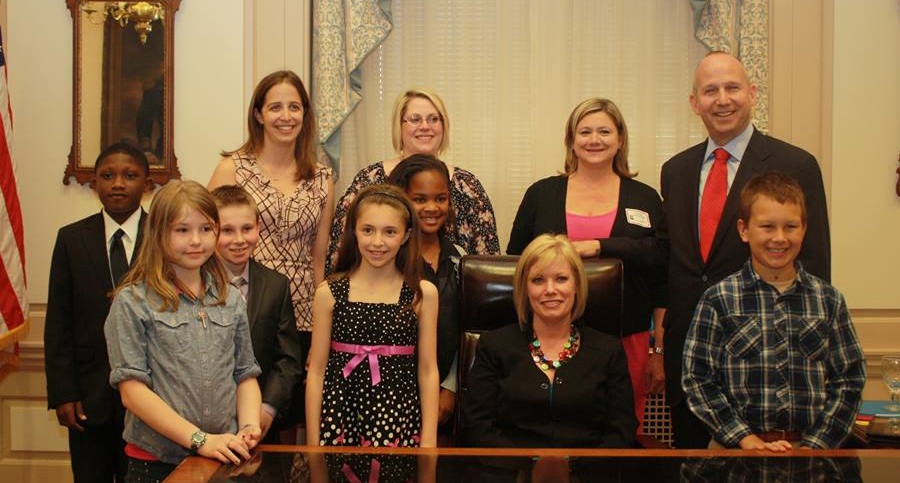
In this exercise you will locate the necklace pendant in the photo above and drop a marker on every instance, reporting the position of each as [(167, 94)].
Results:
[(544, 366), (202, 316)]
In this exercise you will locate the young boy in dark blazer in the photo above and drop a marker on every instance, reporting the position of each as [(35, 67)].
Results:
[(89, 258), (276, 342)]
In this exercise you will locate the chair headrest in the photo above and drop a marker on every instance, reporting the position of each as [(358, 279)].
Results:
[(487, 293)]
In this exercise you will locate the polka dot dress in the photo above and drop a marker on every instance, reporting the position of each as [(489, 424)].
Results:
[(366, 467), (354, 412)]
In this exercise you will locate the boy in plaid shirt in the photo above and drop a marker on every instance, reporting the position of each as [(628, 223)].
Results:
[(771, 359)]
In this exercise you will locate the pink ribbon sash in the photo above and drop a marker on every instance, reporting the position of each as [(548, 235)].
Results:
[(374, 470), (371, 352)]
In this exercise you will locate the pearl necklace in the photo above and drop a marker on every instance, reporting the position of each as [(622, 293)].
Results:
[(570, 347)]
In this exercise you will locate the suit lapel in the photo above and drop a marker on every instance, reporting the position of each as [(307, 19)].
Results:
[(752, 164), (257, 290), (140, 238), (94, 239), (693, 190)]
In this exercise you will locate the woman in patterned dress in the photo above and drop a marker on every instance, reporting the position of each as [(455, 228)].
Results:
[(295, 194), (421, 126)]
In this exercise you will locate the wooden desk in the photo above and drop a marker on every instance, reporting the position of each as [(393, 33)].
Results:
[(470, 465)]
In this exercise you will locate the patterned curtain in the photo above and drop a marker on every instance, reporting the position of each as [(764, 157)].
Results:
[(741, 28), (344, 32)]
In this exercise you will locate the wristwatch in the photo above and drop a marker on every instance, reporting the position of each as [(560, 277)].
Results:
[(198, 439), (657, 351)]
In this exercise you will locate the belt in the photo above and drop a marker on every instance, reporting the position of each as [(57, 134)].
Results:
[(370, 352), (780, 435)]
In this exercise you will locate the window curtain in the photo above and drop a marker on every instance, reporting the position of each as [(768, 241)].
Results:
[(739, 27), (511, 71), (344, 32)]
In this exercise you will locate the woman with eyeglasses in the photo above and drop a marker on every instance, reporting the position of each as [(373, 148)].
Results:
[(421, 126)]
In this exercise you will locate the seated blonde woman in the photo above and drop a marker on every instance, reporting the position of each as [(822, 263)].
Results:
[(549, 381)]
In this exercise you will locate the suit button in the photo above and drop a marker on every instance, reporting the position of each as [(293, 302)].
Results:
[(704, 278)]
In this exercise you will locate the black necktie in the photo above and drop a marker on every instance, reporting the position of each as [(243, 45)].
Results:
[(117, 261)]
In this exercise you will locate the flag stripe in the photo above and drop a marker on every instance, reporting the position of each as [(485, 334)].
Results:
[(10, 306), (13, 299), (9, 192)]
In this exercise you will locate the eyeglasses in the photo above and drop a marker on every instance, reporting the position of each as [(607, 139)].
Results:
[(417, 121)]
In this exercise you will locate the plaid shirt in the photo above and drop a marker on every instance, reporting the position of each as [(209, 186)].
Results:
[(756, 360), (772, 470)]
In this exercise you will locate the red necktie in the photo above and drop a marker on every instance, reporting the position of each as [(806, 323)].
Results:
[(713, 200)]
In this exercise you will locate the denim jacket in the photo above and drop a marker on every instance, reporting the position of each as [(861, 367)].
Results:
[(194, 366)]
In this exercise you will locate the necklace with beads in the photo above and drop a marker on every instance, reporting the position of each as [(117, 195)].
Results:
[(570, 347)]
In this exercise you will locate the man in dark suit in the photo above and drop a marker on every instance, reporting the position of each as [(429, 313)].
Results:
[(703, 253), (273, 332), (89, 259)]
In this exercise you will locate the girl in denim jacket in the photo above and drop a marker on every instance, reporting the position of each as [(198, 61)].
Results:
[(179, 344)]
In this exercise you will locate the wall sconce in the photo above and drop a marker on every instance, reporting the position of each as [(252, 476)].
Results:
[(141, 13)]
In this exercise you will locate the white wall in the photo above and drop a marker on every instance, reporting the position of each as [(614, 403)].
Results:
[(865, 138)]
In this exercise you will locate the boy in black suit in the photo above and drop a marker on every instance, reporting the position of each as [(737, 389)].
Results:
[(276, 342), (90, 257)]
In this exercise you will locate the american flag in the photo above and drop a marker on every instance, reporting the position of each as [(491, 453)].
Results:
[(13, 302)]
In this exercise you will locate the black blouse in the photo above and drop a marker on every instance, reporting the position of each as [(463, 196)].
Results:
[(511, 403)]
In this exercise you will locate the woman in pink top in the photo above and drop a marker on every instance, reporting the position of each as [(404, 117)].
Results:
[(605, 211)]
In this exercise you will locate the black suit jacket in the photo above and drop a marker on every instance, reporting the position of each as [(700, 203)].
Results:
[(543, 210), (509, 402), (689, 276), (276, 341), (78, 300)]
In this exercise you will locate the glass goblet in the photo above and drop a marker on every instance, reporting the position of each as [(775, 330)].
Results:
[(890, 374)]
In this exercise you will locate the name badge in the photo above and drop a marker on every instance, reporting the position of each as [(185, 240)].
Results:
[(637, 217)]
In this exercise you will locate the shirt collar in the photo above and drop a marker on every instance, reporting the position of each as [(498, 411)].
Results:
[(749, 278), (245, 273), (736, 147), (209, 282), (130, 227), (448, 249)]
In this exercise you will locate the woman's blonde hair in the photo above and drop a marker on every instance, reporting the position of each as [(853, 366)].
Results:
[(153, 265), (590, 106), (400, 111), (541, 252)]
